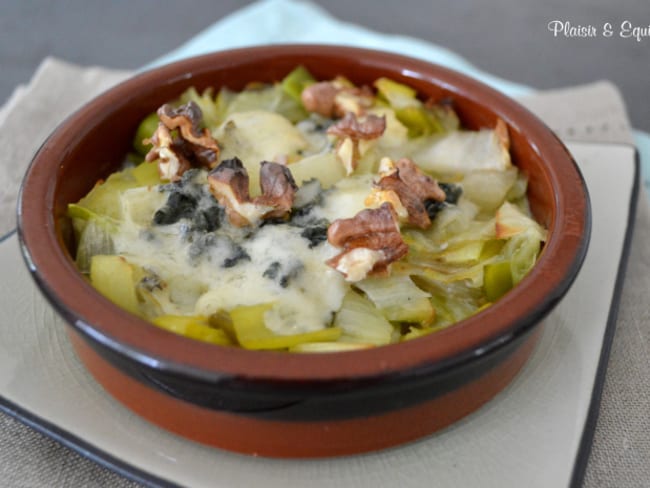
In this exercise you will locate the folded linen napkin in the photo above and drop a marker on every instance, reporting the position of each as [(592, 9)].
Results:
[(590, 113)]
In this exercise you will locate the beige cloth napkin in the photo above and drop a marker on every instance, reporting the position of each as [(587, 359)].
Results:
[(590, 113)]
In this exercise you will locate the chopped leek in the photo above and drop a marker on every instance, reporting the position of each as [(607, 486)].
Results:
[(511, 221), (295, 82), (464, 152), (497, 280), (222, 320), (419, 119), (95, 239), (144, 131), (114, 278), (489, 188), (396, 94), (324, 167), (146, 174), (105, 198), (361, 322), (248, 323), (271, 98), (523, 250), (194, 327), (398, 299), (206, 102)]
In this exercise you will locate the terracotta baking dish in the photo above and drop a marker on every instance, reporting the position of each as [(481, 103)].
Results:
[(296, 405)]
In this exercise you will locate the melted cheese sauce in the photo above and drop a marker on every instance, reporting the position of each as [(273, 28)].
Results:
[(279, 266), (204, 272)]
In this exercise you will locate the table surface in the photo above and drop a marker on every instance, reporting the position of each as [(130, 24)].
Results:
[(508, 38)]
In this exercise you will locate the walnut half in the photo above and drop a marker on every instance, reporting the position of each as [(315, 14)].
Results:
[(191, 146), (335, 99), (370, 240), (413, 188), (229, 185), (352, 129)]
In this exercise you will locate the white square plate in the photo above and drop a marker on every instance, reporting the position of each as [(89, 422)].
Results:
[(536, 433)]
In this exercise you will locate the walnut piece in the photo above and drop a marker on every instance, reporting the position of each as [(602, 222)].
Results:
[(334, 99), (278, 189), (191, 147), (352, 129), (172, 162), (370, 241), (229, 185), (367, 127), (413, 188), (501, 131), (319, 98)]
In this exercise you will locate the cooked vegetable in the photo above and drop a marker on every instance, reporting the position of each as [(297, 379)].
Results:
[(206, 102), (145, 130), (114, 278), (361, 322), (193, 327), (296, 81), (252, 333), (309, 216), (399, 299), (95, 239), (497, 280), (105, 198)]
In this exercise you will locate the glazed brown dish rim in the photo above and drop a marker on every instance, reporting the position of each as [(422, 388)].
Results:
[(99, 319)]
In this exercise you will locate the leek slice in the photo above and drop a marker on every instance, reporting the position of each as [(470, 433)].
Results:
[(248, 323), (222, 102), (468, 252), (295, 82), (396, 94), (221, 319), (398, 299), (146, 174), (325, 167), (206, 102), (271, 98), (105, 198), (489, 188), (415, 332), (114, 277), (95, 239), (419, 119), (522, 250), (193, 327), (463, 152), (511, 221), (144, 131), (361, 322), (497, 280)]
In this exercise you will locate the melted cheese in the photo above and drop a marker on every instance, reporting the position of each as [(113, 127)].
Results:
[(346, 198), (201, 285), (279, 266)]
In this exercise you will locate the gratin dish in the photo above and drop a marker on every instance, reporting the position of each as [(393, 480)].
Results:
[(274, 404)]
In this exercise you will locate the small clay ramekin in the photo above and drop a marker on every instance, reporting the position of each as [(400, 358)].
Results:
[(297, 405)]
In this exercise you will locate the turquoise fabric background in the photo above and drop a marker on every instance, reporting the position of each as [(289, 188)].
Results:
[(283, 22)]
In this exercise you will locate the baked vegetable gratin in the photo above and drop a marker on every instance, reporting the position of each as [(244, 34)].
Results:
[(308, 216)]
